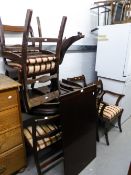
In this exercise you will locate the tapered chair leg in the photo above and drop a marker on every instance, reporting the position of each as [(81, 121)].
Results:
[(106, 133), (119, 123), (97, 132)]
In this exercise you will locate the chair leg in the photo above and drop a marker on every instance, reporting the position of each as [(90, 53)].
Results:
[(37, 164), (97, 135), (106, 132), (119, 123), (97, 132)]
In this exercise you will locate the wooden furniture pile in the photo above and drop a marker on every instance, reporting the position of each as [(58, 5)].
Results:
[(37, 71)]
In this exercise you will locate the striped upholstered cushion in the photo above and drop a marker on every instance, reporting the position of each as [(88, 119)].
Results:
[(40, 59), (41, 68), (35, 68), (41, 130), (110, 111), (39, 65)]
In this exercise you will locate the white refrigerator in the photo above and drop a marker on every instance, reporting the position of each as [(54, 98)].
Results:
[(113, 62)]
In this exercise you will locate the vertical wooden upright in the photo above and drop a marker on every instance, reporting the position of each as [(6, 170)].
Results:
[(78, 111), (12, 150)]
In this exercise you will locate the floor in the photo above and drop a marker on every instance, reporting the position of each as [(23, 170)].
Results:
[(110, 160)]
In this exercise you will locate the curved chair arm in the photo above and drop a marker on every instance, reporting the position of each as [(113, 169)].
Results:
[(67, 43), (119, 96)]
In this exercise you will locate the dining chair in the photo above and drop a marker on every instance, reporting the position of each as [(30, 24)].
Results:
[(43, 136), (108, 112), (35, 67)]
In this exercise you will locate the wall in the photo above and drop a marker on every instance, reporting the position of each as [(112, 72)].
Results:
[(50, 12)]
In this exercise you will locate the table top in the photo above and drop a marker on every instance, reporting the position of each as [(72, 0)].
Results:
[(7, 83)]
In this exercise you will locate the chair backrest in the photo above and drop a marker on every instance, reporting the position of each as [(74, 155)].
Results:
[(81, 80), (39, 31), (12, 31), (73, 83), (99, 86)]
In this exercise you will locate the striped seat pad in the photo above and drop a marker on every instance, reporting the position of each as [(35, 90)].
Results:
[(35, 58), (40, 131), (110, 111), (41, 68), (40, 58), (35, 68)]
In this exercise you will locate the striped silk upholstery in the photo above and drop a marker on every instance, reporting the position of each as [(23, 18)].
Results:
[(38, 64), (40, 68), (40, 59), (40, 131), (110, 111)]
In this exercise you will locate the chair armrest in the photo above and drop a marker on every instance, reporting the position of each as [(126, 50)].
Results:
[(119, 96)]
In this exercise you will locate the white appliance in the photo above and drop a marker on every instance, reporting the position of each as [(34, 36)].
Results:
[(113, 62)]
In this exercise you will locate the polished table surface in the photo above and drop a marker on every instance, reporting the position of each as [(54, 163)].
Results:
[(78, 110)]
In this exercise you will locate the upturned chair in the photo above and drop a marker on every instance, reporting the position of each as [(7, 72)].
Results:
[(32, 66), (108, 113)]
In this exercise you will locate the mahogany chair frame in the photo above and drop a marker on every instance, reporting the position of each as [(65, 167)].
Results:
[(21, 60), (100, 101)]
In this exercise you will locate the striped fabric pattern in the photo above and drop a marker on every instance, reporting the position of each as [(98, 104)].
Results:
[(40, 59), (40, 68), (38, 65), (110, 111), (40, 131)]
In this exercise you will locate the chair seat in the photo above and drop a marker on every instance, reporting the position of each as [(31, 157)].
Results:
[(41, 130), (37, 64), (110, 111)]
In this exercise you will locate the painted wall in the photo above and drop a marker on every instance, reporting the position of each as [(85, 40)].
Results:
[(50, 12)]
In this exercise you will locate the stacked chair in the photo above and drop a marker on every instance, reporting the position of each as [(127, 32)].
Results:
[(38, 72), (39, 99), (33, 64)]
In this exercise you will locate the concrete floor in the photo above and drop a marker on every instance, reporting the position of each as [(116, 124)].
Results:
[(110, 160)]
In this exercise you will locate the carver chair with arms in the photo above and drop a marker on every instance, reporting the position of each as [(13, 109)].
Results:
[(108, 112)]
